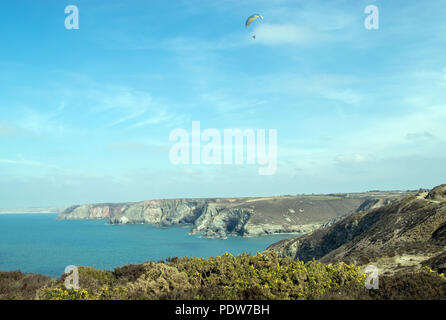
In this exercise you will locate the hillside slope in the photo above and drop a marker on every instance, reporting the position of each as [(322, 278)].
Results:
[(406, 234)]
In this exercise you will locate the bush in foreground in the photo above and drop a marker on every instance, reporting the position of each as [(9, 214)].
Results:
[(263, 276), (243, 277), (15, 285)]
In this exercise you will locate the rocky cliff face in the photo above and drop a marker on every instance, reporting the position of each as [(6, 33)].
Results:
[(92, 211), (235, 216), (410, 232)]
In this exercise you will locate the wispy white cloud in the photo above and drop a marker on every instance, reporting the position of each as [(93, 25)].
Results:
[(225, 103), (340, 87), (420, 136), (288, 34), (32, 163), (351, 158), (158, 117), (136, 146), (115, 105), (123, 104), (35, 122)]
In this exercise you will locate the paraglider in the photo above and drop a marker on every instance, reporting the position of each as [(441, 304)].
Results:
[(251, 19)]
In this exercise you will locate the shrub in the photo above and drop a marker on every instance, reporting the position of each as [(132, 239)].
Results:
[(159, 281), (15, 285), (107, 293), (263, 276), (64, 294), (422, 285), (129, 272), (412, 286)]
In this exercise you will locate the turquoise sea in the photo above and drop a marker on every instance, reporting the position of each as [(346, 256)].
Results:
[(39, 243)]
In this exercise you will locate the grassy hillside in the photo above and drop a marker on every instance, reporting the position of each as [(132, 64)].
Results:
[(405, 235)]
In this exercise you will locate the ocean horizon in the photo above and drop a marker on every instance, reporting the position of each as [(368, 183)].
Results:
[(38, 243)]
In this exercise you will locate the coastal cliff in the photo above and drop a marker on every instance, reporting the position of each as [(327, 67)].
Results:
[(219, 218)]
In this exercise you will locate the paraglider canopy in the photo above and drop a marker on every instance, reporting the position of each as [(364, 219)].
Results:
[(252, 18)]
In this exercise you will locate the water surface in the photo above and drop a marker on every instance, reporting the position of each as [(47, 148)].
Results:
[(40, 244)]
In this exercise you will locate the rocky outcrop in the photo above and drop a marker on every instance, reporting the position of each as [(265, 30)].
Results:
[(163, 213), (438, 193), (412, 229), (218, 222), (219, 218), (373, 203)]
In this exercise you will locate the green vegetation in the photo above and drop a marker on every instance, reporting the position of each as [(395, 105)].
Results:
[(263, 276), (245, 277)]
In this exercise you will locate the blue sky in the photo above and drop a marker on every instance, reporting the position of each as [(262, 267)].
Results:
[(86, 114)]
